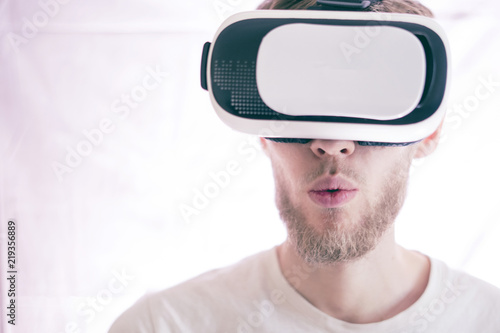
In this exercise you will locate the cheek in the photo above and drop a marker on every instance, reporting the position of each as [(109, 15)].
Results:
[(385, 158), (384, 164), (290, 167), (289, 159)]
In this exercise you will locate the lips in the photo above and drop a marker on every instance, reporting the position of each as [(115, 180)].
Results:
[(332, 192)]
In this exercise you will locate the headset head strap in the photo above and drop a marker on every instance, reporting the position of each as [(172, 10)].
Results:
[(343, 5)]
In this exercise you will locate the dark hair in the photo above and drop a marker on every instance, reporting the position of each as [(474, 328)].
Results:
[(384, 6)]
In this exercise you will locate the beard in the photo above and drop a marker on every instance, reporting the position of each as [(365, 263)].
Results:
[(336, 241)]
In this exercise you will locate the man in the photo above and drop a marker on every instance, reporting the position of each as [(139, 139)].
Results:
[(340, 269)]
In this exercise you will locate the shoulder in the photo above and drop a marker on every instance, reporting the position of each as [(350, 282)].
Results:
[(470, 304), (231, 280), (196, 300), (461, 283)]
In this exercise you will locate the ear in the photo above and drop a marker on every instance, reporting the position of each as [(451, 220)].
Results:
[(264, 144), (429, 144)]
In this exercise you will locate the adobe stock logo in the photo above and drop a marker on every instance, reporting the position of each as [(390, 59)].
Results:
[(262, 310), (225, 8), (121, 107), (363, 36), (219, 180), (30, 28), (485, 88), (89, 308), (254, 320), (424, 317)]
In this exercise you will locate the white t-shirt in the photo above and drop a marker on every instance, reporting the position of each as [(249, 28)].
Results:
[(254, 296)]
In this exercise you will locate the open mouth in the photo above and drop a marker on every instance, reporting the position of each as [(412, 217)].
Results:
[(332, 192), (332, 198), (328, 192)]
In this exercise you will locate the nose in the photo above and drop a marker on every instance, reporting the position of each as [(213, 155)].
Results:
[(338, 148)]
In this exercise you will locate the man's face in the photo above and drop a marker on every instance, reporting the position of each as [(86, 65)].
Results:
[(338, 198)]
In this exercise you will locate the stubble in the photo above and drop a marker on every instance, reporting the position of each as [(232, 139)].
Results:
[(337, 241)]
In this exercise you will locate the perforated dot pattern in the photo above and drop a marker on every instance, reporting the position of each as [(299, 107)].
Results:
[(238, 77)]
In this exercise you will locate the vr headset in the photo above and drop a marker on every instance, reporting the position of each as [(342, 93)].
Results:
[(297, 75)]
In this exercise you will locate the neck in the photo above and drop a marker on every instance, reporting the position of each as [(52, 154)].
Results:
[(376, 287)]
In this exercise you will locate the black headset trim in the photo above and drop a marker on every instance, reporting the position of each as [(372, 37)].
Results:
[(361, 143), (343, 5)]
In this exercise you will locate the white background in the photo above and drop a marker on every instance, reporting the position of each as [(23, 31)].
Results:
[(118, 211)]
